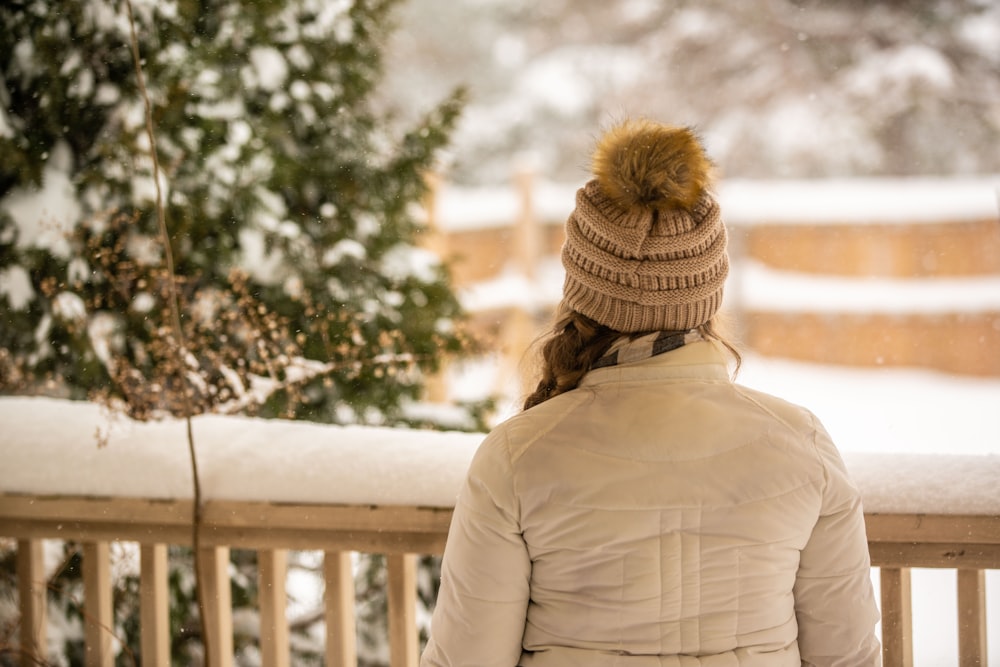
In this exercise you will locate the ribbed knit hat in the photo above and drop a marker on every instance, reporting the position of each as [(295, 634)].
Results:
[(645, 246)]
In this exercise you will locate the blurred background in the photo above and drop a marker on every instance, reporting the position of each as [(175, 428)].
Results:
[(777, 88), (366, 200), (856, 145)]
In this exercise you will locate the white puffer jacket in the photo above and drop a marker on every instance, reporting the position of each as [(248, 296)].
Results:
[(658, 515)]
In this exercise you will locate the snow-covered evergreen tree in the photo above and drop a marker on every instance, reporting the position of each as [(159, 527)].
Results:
[(292, 202), (290, 199)]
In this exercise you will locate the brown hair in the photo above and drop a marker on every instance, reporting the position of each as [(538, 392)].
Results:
[(576, 342)]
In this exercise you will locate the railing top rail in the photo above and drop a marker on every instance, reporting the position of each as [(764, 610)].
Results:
[(896, 483), (247, 524), (49, 449), (931, 540)]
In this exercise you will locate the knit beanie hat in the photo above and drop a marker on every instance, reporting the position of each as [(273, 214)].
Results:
[(645, 246)]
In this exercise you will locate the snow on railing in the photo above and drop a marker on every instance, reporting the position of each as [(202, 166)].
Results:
[(76, 448), (275, 485)]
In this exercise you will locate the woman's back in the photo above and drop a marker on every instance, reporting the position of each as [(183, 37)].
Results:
[(655, 540)]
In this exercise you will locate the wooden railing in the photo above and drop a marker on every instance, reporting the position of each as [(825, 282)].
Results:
[(401, 533), (968, 544), (898, 542)]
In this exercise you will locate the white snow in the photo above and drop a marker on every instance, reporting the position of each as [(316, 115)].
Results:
[(144, 189), (556, 82), (69, 306), (269, 66), (15, 284), (511, 288), (257, 259), (46, 216), (745, 202), (915, 441), (344, 248), (458, 208), (887, 74), (401, 262), (105, 333), (888, 410), (6, 131), (982, 32), (51, 446), (755, 286), (937, 483), (859, 201), (758, 287), (810, 126)]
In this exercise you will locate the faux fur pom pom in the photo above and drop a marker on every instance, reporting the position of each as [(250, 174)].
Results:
[(643, 165)]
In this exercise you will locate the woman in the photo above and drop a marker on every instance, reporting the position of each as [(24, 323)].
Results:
[(644, 510)]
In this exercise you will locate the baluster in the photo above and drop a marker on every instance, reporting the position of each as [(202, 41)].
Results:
[(31, 587), (402, 598), (971, 618), (98, 616), (272, 570), (214, 563), (154, 606), (338, 603), (897, 620)]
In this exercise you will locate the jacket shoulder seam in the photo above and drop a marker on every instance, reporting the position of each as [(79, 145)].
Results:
[(515, 451)]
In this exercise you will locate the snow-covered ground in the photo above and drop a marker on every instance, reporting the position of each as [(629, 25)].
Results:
[(905, 411)]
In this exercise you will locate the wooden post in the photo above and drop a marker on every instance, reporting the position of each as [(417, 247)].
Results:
[(520, 328), (402, 598), (971, 618), (519, 333), (154, 606), (98, 618), (897, 620), (31, 588), (338, 603), (219, 604), (272, 570), (434, 240), (525, 227)]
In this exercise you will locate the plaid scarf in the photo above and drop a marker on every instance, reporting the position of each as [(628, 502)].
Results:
[(627, 350)]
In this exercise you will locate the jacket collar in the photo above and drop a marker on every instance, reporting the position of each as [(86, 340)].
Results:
[(702, 360), (628, 350)]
